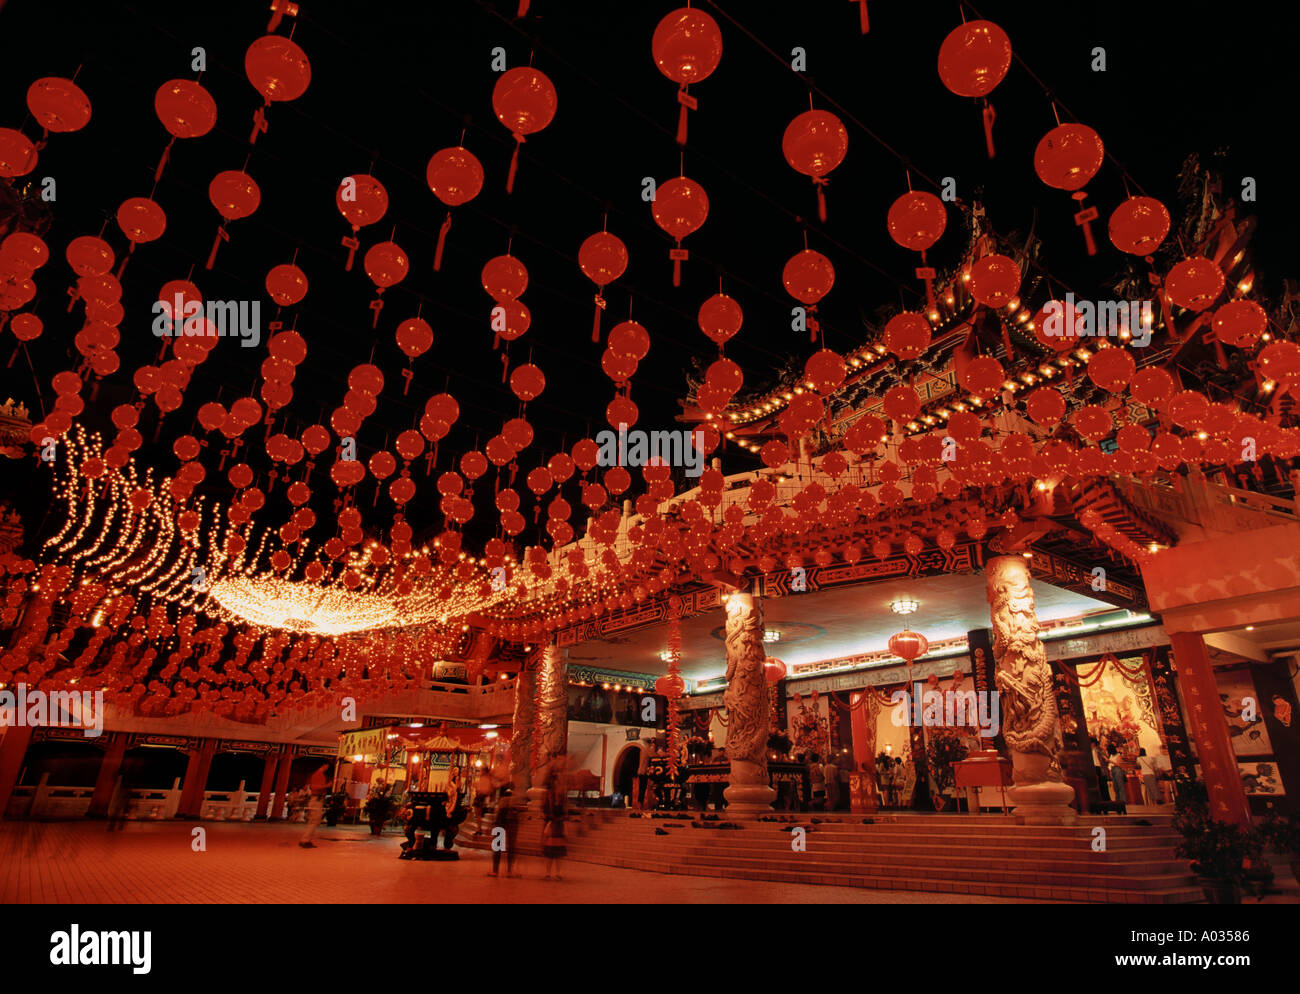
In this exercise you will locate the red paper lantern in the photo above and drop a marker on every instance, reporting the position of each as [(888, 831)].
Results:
[(414, 337), (1240, 323), (973, 60), (687, 48), (630, 340), (455, 176), (1139, 225), (720, 318), (602, 257), (286, 284), (902, 403), (907, 335), (680, 207), (808, 276), (1194, 283), (1152, 386), (916, 220), (58, 104), (17, 154), (185, 108), (907, 645), (524, 99), (994, 280), (1066, 158), (527, 382), (141, 220), (815, 143), (362, 200), (825, 370), (504, 278), (1111, 369), (1046, 406), (235, 195), (983, 377), (277, 68), (774, 670)]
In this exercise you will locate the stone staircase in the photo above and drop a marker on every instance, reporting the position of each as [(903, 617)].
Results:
[(957, 854)]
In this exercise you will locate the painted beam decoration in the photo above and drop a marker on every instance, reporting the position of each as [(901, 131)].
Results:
[(1061, 572), (965, 558)]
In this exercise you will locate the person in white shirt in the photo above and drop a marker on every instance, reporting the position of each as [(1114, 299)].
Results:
[(1147, 766)]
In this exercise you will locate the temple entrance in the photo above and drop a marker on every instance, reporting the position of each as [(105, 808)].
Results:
[(625, 772)]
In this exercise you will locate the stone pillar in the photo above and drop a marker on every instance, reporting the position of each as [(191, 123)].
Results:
[(1030, 724), (1209, 728), (521, 735), (282, 784), (264, 791), (109, 769), (550, 720), (747, 708), (13, 748), (196, 779)]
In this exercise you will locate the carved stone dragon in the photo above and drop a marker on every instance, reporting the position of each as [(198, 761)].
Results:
[(746, 694)]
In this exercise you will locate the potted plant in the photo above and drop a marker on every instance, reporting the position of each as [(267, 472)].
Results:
[(380, 807), (1224, 856), (1281, 839), (944, 750), (335, 806)]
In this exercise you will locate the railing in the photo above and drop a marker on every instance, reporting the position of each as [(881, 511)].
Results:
[(44, 802), (1215, 507)]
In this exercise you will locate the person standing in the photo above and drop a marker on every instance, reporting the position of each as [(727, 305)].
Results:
[(1118, 777), (507, 819), (1147, 766), (831, 773), (483, 787), (642, 775), (553, 847), (1099, 768), (316, 789), (817, 777)]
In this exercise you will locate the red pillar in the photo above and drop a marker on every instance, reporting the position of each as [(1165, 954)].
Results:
[(1208, 725), (109, 769), (268, 780), (196, 779), (282, 783), (13, 747)]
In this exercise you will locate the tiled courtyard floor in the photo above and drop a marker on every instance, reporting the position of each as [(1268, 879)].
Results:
[(153, 863)]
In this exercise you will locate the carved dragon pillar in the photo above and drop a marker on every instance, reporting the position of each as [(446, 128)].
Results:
[(550, 719), (747, 708), (1030, 724), (521, 735)]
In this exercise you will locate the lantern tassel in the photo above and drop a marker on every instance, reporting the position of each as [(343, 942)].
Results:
[(862, 17), (688, 102), (222, 236), (681, 125), (989, 117), (821, 198), (442, 242), (162, 161), (514, 165), (351, 244), (595, 321)]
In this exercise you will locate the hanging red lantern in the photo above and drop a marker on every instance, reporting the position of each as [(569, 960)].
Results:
[(687, 48), (504, 278), (602, 257), (235, 195), (386, 265), (1194, 283), (720, 318), (1240, 323), (17, 154), (286, 284), (524, 99), (1066, 158), (907, 335), (825, 370), (680, 207), (527, 382), (1139, 225), (141, 220), (1152, 386), (973, 60), (994, 280), (1111, 369), (362, 200), (279, 71), (901, 403), (629, 340), (815, 143), (908, 645), (455, 176), (414, 337), (916, 220), (58, 104), (186, 110), (774, 670), (1046, 406), (808, 276), (983, 377)]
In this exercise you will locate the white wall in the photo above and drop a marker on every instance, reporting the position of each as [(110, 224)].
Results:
[(596, 747)]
